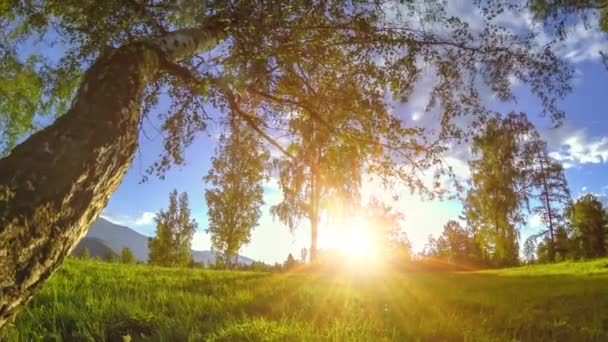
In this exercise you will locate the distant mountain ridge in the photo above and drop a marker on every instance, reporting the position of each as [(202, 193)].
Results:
[(97, 248), (116, 237)]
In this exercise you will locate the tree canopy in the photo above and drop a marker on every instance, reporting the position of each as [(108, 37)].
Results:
[(320, 59), (235, 197), (174, 232)]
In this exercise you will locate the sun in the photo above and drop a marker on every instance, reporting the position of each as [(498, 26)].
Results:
[(353, 239), (356, 242)]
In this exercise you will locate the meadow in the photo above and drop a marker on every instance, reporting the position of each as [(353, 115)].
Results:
[(92, 300)]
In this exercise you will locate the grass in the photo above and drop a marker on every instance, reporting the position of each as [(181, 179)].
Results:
[(90, 300)]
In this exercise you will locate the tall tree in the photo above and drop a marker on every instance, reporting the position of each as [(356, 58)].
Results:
[(68, 170), (319, 169), (174, 232), (530, 249), (499, 187), (588, 219), (552, 192), (236, 193), (290, 263), (303, 255)]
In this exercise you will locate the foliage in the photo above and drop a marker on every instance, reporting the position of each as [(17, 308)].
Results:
[(548, 179), (219, 263), (320, 171), (589, 222), (126, 256), (387, 233), (456, 244), (174, 232), (236, 193), (499, 183), (85, 254), (89, 300), (530, 248), (328, 61), (559, 13), (290, 263), (110, 257)]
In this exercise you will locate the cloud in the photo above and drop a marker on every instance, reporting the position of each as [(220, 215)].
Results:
[(575, 148), (201, 241), (145, 218), (583, 44)]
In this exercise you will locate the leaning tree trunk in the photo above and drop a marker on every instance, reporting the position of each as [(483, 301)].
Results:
[(55, 184)]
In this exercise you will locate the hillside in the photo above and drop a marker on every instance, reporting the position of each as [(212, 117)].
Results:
[(97, 248), (92, 300), (117, 237)]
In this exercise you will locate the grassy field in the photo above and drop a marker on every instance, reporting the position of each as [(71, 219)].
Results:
[(90, 300)]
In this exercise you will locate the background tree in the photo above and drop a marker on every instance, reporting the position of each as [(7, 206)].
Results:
[(499, 186), (85, 254), (110, 257), (431, 248), (133, 55), (565, 247), (461, 245), (530, 249), (588, 219), (236, 193), (126, 256), (303, 255), (552, 192), (290, 263), (174, 232), (219, 262), (384, 225)]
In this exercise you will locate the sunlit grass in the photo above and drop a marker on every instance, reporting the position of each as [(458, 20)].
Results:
[(89, 300)]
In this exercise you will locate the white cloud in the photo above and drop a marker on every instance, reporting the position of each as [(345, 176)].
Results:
[(583, 44), (201, 241), (144, 219), (576, 148)]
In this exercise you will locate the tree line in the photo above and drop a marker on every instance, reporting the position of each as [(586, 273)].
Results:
[(514, 176)]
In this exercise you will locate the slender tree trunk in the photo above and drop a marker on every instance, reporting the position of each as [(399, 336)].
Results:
[(549, 213), (55, 184), (314, 217)]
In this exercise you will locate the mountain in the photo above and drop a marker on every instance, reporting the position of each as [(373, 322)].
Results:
[(209, 257), (96, 247), (117, 237)]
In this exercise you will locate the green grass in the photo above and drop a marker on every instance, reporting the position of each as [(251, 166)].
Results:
[(89, 300)]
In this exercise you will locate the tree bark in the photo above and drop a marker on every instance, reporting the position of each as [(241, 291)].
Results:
[(315, 201), (55, 184), (549, 211)]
